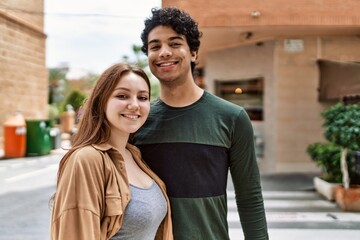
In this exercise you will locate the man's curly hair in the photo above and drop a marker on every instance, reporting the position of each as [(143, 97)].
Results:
[(180, 21)]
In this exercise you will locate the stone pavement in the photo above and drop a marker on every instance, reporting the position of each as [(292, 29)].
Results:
[(295, 211)]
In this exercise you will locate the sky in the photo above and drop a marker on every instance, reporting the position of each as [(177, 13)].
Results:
[(91, 35)]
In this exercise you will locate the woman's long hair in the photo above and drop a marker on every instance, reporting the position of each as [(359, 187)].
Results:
[(93, 127)]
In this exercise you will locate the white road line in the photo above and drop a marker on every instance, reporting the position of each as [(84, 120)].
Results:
[(285, 204), (281, 194), (301, 234), (303, 217), (31, 174)]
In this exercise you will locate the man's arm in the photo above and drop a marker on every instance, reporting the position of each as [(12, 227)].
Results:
[(246, 179)]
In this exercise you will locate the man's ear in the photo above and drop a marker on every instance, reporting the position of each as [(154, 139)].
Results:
[(194, 56)]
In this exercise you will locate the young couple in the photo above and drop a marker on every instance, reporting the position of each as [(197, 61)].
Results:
[(188, 140)]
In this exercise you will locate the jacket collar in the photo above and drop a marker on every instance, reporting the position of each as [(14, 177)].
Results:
[(104, 147)]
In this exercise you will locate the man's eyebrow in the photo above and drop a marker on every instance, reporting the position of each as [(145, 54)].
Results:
[(154, 41), (176, 38), (170, 39)]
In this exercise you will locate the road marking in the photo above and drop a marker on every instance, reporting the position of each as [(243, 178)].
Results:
[(281, 194), (297, 234), (303, 217), (31, 174), (286, 204)]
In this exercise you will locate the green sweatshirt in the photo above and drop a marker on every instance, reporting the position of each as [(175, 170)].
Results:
[(192, 149)]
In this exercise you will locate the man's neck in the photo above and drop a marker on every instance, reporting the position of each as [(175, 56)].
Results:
[(182, 95)]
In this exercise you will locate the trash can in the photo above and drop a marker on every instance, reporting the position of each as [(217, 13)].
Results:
[(38, 139), (15, 136)]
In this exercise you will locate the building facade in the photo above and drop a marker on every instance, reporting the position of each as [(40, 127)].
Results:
[(24, 77), (277, 60)]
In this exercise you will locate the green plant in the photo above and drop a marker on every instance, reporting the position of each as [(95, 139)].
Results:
[(54, 114), (75, 99), (327, 157), (342, 128)]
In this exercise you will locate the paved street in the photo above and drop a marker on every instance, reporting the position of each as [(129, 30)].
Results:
[(25, 189), (294, 211)]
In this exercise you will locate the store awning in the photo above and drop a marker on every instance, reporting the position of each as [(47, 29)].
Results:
[(338, 79)]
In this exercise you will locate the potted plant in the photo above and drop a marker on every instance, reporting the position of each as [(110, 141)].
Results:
[(327, 157), (342, 128)]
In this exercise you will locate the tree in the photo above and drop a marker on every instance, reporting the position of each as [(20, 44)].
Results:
[(342, 127), (75, 99), (57, 85)]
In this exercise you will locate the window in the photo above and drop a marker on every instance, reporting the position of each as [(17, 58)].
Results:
[(247, 93)]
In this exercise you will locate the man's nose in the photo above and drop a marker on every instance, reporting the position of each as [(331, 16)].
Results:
[(165, 51)]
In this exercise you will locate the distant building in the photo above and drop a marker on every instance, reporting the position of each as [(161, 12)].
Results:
[(23, 74), (285, 62)]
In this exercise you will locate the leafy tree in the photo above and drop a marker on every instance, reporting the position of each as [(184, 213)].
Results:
[(57, 85), (342, 127), (327, 156), (75, 99)]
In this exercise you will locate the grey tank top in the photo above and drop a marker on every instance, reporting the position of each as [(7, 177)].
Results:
[(143, 215)]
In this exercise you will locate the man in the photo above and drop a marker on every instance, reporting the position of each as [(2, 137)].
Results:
[(192, 138)]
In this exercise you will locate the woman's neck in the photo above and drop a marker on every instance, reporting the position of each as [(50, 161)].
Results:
[(119, 142)]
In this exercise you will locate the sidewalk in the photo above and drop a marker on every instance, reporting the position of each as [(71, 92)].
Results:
[(65, 144), (296, 211), (288, 181)]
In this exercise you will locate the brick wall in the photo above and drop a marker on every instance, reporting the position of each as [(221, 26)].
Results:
[(23, 77)]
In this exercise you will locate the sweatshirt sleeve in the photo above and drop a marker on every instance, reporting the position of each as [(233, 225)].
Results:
[(79, 198), (246, 179)]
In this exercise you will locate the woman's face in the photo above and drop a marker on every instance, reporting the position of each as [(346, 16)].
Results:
[(129, 104)]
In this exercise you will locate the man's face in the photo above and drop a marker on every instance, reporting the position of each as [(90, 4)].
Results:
[(169, 55)]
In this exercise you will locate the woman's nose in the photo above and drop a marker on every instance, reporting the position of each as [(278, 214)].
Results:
[(133, 105)]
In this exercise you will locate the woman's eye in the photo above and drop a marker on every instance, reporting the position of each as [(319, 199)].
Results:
[(143, 98), (121, 96)]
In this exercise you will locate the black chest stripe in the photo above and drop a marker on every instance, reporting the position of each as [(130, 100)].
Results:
[(188, 170)]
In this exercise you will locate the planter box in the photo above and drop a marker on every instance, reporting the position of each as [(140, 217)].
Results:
[(325, 188), (348, 199)]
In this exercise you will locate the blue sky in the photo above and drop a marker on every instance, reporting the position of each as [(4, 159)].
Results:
[(91, 35)]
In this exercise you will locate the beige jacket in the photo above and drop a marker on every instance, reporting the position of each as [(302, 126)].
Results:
[(93, 194)]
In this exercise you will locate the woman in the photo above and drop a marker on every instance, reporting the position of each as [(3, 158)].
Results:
[(104, 189)]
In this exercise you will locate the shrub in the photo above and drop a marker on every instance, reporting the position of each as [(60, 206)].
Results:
[(75, 99), (327, 157)]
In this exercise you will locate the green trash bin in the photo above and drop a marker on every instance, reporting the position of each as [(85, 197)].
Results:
[(38, 139)]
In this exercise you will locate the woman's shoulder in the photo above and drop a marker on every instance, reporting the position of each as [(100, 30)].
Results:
[(86, 155), (87, 151)]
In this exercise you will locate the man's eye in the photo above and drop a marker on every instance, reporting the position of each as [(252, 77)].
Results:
[(154, 47), (175, 44)]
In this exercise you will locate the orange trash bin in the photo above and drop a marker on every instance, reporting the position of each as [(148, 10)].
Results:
[(15, 136)]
